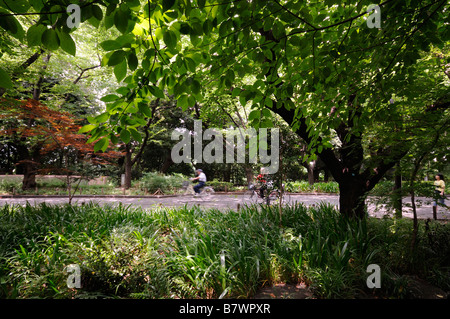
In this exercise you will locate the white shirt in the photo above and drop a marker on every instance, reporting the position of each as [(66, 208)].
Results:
[(202, 177)]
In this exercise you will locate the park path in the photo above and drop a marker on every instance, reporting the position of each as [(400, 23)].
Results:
[(221, 201)]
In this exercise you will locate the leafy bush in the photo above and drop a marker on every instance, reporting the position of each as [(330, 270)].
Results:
[(305, 187), (220, 186), (152, 182), (10, 186)]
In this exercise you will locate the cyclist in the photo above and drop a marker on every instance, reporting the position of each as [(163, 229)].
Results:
[(201, 178), (262, 181)]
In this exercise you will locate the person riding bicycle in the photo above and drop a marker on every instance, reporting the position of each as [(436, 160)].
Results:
[(262, 181), (201, 178)]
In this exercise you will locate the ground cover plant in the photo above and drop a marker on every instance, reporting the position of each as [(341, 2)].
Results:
[(129, 252)]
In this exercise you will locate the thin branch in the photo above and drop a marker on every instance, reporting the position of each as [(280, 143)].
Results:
[(296, 16), (80, 76)]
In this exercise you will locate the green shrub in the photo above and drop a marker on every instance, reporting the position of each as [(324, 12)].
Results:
[(152, 182), (10, 186), (305, 187), (220, 186)]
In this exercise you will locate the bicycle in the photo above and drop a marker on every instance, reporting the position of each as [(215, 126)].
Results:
[(274, 195), (188, 189)]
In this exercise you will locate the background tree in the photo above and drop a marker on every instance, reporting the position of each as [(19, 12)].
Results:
[(38, 131)]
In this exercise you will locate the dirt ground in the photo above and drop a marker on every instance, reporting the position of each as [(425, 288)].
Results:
[(420, 288)]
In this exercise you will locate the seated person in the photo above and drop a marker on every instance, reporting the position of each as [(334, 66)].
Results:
[(201, 178), (262, 182)]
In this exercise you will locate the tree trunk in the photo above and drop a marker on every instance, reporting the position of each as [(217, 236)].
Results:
[(227, 173), (249, 174), (352, 197), (167, 163), (398, 192), (29, 176), (310, 167), (29, 160), (127, 165)]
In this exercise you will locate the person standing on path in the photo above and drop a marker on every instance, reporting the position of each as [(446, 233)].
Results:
[(439, 193)]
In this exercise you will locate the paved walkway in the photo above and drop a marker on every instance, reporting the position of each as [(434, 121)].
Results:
[(220, 201)]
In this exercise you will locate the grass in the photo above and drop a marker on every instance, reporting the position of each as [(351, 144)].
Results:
[(128, 252)]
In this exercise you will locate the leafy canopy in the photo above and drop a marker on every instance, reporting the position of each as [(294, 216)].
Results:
[(307, 56)]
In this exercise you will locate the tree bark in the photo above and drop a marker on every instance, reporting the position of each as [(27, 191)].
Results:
[(352, 197), (398, 191), (29, 176), (167, 163), (311, 168), (128, 166)]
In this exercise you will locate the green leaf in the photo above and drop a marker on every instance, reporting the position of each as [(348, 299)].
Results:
[(144, 109), (135, 134), (268, 102), (37, 4), (97, 12), (195, 87), (185, 28), (120, 71), (110, 45), (170, 39), (156, 91), (116, 58), (86, 128), (17, 6), (101, 118), (101, 145), (50, 39), (132, 61), (10, 23), (67, 43), (34, 34), (109, 98), (253, 115), (125, 136), (167, 4), (191, 65), (121, 20), (266, 113), (182, 102), (5, 80)]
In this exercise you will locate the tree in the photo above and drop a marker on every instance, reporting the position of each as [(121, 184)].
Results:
[(38, 130), (325, 67)]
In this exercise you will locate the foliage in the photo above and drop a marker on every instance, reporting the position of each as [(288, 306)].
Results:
[(37, 130), (152, 182), (192, 253), (9, 186), (305, 187), (220, 186)]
